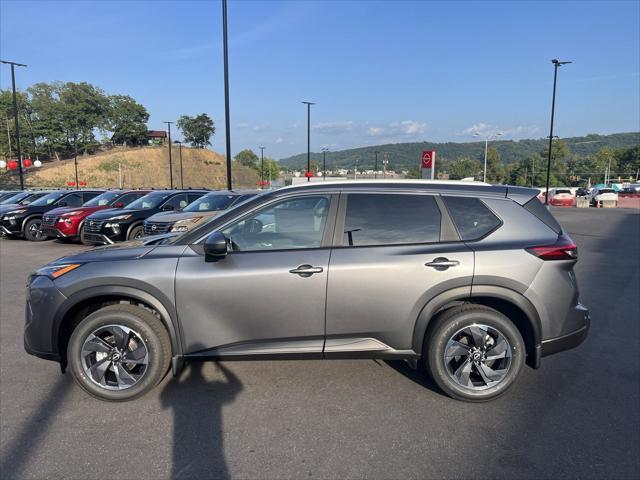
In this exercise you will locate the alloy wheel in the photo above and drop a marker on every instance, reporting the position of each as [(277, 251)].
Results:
[(36, 231), (478, 357), (114, 357)]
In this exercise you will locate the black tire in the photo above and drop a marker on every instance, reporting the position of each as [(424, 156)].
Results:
[(136, 232), (32, 231), (142, 323), (81, 234), (454, 323)]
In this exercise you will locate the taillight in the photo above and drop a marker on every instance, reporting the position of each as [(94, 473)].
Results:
[(563, 249)]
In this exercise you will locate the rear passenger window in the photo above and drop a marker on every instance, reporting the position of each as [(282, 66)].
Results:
[(390, 219), (472, 217)]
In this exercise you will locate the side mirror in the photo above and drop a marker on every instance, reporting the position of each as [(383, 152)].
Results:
[(118, 205), (167, 208), (215, 246)]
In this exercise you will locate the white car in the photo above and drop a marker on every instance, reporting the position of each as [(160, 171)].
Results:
[(599, 195)]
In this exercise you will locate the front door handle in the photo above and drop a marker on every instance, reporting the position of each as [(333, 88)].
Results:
[(306, 270), (442, 263)]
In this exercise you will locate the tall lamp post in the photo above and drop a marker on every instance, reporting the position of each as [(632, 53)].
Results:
[(486, 148), (262, 166), (324, 163), (308, 104), (180, 150), (556, 63), (15, 117), (170, 159), (227, 120)]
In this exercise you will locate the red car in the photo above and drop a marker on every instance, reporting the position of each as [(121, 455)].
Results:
[(68, 222), (562, 197)]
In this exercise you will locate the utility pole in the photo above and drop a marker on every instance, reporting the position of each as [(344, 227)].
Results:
[(170, 159), (375, 172), (324, 163), (556, 63), (308, 104), (227, 120), (15, 117), (75, 162), (180, 150), (261, 166)]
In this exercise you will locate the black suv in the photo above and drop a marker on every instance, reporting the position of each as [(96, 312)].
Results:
[(27, 220), (110, 226)]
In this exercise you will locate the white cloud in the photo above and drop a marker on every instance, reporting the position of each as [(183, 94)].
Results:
[(410, 127), (279, 140), (375, 131), (260, 128), (485, 130), (333, 128), (242, 125)]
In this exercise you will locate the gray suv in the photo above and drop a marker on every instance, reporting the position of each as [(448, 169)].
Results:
[(469, 282)]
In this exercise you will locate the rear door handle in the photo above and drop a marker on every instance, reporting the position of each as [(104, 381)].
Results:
[(442, 263), (306, 270)]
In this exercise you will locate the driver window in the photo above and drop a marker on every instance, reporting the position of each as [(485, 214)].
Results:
[(289, 224)]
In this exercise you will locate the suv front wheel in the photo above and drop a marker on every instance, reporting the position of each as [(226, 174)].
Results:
[(119, 352), (474, 353)]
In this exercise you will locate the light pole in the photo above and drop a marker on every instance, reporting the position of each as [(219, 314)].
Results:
[(227, 120), (324, 163), (180, 150), (486, 147), (556, 63), (308, 104), (170, 159), (262, 166), (75, 162), (15, 117)]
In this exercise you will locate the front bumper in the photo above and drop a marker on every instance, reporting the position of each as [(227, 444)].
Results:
[(97, 239), (43, 300), (571, 339), (12, 227)]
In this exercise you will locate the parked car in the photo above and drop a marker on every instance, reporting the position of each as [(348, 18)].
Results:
[(599, 195), (561, 197), (6, 194), (107, 227), (26, 220), (67, 223), (582, 192), (24, 197), (389, 270), (204, 208), (628, 191)]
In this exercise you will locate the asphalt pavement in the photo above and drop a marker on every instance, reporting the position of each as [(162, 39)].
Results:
[(578, 416)]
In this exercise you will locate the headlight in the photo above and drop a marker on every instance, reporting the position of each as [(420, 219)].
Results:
[(181, 225), (114, 225), (13, 212), (120, 217), (56, 271)]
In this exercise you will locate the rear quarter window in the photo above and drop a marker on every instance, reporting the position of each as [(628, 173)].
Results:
[(472, 218)]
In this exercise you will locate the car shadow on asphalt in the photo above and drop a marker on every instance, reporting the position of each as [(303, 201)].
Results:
[(198, 434), (417, 375)]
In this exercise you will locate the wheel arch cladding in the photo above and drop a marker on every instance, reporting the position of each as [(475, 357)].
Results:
[(508, 302)]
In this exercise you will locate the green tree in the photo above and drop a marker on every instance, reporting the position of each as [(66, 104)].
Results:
[(127, 119), (628, 161), (465, 167), (197, 130), (495, 168), (247, 158), (84, 110)]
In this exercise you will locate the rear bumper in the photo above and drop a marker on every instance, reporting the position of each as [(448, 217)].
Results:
[(571, 339)]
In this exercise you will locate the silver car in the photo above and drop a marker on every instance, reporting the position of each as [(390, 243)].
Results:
[(475, 281)]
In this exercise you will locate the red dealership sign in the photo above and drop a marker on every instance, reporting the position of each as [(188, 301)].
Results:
[(428, 157)]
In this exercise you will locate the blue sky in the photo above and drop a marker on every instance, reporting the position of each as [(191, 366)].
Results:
[(379, 71)]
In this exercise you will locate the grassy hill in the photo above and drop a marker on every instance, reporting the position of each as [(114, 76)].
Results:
[(407, 155), (141, 167)]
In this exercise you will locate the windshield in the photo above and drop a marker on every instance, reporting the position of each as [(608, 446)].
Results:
[(14, 198), (558, 192), (210, 203), (48, 199), (104, 199), (152, 200), (605, 190)]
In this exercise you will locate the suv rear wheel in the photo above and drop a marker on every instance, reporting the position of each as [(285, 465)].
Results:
[(474, 353), (119, 352), (33, 231)]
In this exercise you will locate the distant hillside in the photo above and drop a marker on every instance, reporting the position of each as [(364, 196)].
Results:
[(407, 155), (141, 167)]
